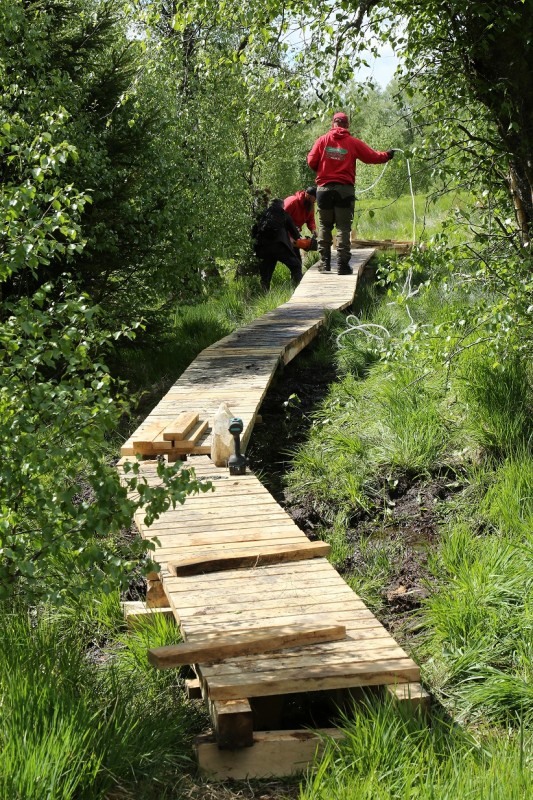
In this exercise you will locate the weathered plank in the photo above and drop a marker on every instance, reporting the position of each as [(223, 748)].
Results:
[(137, 613), (313, 679), (242, 559), (274, 753), (265, 639)]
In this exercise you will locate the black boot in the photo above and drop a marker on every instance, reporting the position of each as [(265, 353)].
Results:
[(344, 269)]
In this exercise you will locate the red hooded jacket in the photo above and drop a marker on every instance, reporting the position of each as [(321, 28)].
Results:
[(294, 206), (333, 157)]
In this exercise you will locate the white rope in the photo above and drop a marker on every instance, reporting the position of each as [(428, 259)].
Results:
[(363, 328), (372, 185), (407, 291), (368, 188)]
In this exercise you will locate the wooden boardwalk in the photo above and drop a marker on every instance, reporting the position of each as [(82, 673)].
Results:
[(285, 586), (239, 368)]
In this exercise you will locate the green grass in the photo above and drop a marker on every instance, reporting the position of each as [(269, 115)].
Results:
[(369, 431), (393, 219), (82, 714), (387, 754), (500, 400)]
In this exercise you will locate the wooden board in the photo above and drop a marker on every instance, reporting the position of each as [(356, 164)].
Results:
[(178, 428), (136, 613), (265, 639), (411, 694), (241, 559), (313, 679), (233, 723), (274, 753)]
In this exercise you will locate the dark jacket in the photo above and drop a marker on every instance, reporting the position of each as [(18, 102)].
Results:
[(274, 226)]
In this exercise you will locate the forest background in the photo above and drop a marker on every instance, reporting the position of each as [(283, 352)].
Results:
[(135, 137)]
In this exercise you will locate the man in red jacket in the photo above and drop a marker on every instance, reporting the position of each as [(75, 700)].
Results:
[(333, 158), (301, 207)]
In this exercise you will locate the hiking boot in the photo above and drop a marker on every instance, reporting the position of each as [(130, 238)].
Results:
[(323, 266), (345, 270)]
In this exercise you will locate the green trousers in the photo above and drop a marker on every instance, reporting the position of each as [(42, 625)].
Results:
[(335, 203)]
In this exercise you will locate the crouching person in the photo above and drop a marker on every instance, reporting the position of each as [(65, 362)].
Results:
[(274, 233)]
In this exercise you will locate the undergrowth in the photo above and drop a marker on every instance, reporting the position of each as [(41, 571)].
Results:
[(103, 722), (404, 414)]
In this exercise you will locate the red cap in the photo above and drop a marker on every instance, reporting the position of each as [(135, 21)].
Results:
[(341, 117)]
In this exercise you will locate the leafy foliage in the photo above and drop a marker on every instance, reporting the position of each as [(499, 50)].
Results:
[(58, 407), (58, 402)]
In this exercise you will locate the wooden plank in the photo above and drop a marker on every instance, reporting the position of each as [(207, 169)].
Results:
[(352, 619), (209, 511), (227, 501), (193, 689), (151, 448), (194, 435), (313, 606), (169, 540), (212, 528), (384, 244), (141, 441), (274, 753), (181, 545), (412, 694), (381, 645), (248, 593), (193, 566), (299, 660), (179, 427), (339, 676), (273, 638), (155, 595), (285, 574), (137, 613), (363, 630), (328, 602)]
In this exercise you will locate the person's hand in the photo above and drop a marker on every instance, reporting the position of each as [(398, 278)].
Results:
[(390, 154)]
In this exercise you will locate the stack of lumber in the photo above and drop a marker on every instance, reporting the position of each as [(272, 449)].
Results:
[(402, 247), (182, 436)]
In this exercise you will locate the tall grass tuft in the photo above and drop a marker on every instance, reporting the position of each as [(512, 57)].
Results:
[(86, 721), (500, 401), (478, 628), (387, 754)]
